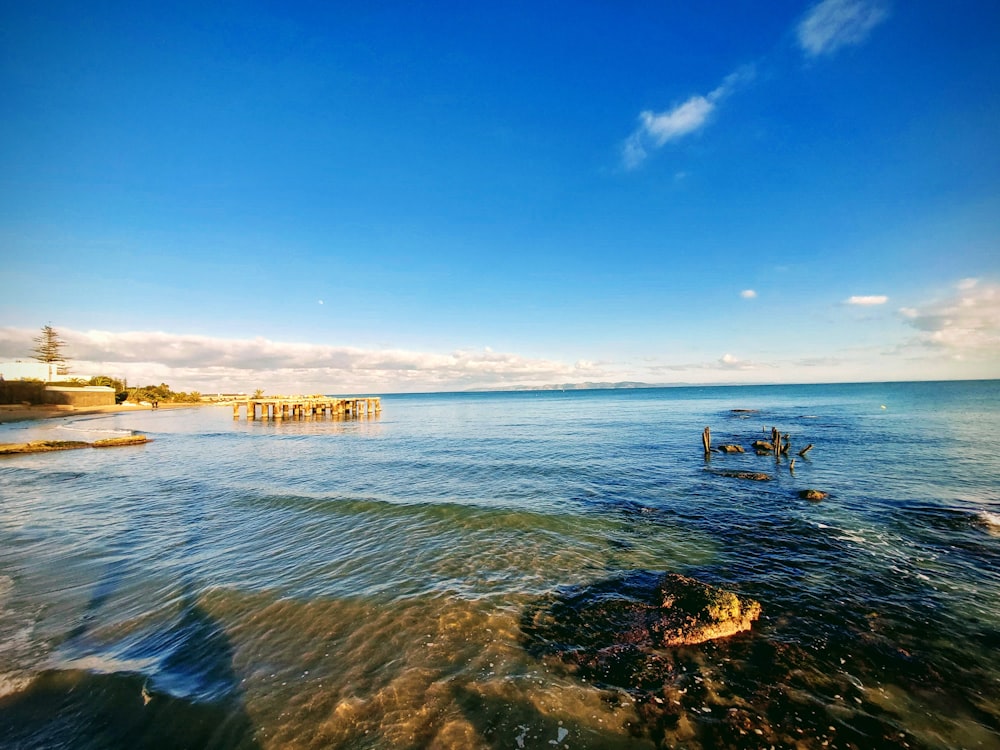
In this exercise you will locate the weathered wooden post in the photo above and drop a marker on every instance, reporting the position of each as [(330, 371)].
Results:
[(706, 439)]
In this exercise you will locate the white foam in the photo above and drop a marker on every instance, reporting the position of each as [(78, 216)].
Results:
[(98, 430), (990, 520), (12, 683)]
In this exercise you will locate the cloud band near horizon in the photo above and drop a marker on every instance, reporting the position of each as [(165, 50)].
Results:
[(202, 362)]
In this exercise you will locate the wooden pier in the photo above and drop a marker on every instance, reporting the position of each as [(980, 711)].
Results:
[(301, 407)]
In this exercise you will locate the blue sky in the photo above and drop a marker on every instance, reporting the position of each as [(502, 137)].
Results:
[(406, 196)]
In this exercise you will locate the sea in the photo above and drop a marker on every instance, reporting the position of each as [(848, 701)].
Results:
[(377, 582)]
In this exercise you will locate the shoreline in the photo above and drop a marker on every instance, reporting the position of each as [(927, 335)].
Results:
[(10, 413)]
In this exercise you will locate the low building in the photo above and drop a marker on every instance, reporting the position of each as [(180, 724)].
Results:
[(88, 395)]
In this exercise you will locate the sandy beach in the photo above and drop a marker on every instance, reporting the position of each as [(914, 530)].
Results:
[(21, 413)]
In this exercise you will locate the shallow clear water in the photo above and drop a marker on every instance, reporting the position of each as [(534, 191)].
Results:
[(366, 583)]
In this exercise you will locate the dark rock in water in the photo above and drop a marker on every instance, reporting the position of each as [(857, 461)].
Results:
[(757, 476), (692, 612), (762, 445), (743, 411), (730, 449), (644, 612), (784, 686), (814, 495)]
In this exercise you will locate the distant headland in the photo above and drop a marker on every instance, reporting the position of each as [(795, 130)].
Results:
[(587, 386)]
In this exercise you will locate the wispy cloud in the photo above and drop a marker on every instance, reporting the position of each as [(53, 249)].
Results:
[(748, 294), (866, 300), (833, 24), (209, 364), (658, 128), (965, 323)]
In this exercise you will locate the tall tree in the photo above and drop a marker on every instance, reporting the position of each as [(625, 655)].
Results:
[(49, 349)]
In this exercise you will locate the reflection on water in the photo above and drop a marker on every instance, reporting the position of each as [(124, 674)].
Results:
[(365, 584)]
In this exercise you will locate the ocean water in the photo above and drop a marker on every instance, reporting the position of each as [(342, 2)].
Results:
[(371, 583)]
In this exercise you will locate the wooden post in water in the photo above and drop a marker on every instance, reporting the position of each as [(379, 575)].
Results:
[(706, 439)]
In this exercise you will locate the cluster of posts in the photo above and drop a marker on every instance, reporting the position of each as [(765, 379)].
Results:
[(300, 407), (778, 445)]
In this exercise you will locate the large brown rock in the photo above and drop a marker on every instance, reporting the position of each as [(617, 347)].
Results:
[(692, 612), (645, 611)]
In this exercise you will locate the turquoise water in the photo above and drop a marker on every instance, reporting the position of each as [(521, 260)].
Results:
[(365, 584)]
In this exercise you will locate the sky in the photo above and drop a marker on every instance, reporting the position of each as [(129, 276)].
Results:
[(329, 197)]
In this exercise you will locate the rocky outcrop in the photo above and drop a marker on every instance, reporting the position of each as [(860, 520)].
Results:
[(47, 446), (114, 442), (42, 446), (689, 612), (644, 611)]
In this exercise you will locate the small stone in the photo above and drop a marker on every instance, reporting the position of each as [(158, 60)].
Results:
[(730, 449)]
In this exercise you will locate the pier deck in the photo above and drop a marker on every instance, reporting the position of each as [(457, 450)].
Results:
[(298, 407)]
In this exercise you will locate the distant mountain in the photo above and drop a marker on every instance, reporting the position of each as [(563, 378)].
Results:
[(572, 386)]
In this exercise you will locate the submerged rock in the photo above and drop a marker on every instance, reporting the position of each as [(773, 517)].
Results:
[(757, 476), (730, 449), (643, 611), (814, 495), (690, 612)]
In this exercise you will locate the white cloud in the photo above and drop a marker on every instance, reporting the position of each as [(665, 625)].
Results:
[(681, 120), (192, 362), (748, 294), (658, 128), (730, 362), (867, 300), (832, 24), (965, 323)]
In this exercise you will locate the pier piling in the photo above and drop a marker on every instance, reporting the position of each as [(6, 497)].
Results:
[(280, 408)]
